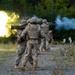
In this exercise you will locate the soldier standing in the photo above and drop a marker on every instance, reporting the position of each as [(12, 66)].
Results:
[(51, 37), (45, 41), (21, 46), (33, 32)]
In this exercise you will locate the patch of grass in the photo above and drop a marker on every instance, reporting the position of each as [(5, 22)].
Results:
[(66, 59), (6, 51), (5, 54), (8, 46)]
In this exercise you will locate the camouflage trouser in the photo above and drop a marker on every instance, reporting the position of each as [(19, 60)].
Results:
[(31, 53), (20, 51), (44, 44)]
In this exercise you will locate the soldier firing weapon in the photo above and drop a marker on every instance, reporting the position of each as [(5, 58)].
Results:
[(17, 27), (20, 27)]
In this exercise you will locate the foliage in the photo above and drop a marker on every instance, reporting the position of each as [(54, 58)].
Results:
[(6, 40), (44, 8), (6, 52), (64, 58), (48, 9)]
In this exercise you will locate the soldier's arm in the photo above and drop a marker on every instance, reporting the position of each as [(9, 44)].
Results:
[(24, 32), (22, 37)]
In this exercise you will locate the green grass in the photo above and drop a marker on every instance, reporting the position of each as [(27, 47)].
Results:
[(6, 51), (6, 54), (9, 46)]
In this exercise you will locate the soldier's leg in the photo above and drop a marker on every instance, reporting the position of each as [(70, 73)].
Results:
[(52, 41), (20, 51), (35, 61), (31, 59), (35, 56), (42, 45), (47, 45), (26, 55)]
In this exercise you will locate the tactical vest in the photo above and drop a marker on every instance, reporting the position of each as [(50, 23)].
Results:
[(33, 31)]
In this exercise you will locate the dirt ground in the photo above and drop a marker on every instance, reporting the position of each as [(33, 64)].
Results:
[(49, 63)]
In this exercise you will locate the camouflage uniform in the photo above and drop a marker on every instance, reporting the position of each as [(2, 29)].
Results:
[(45, 42), (21, 46), (32, 44)]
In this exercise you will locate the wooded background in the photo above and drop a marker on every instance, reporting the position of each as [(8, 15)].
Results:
[(48, 9)]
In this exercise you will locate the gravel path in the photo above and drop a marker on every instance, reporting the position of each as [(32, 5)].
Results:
[(46, 65)]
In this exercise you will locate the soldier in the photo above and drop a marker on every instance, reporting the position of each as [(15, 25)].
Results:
[(50, 37), (21, 46), (45, 42), (33, 32)]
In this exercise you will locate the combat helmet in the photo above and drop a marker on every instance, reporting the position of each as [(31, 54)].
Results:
[(34, 20), (40, 20), (44, 21), (23, 22)]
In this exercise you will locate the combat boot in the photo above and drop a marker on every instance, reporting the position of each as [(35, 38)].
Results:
[(16, 66), (44, 50), (41, 50), (23, 68), (33, 68)]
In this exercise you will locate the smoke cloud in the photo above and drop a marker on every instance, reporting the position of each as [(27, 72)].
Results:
[(64, 23)]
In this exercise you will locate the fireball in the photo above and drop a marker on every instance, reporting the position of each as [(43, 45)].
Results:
[(3, 22)]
